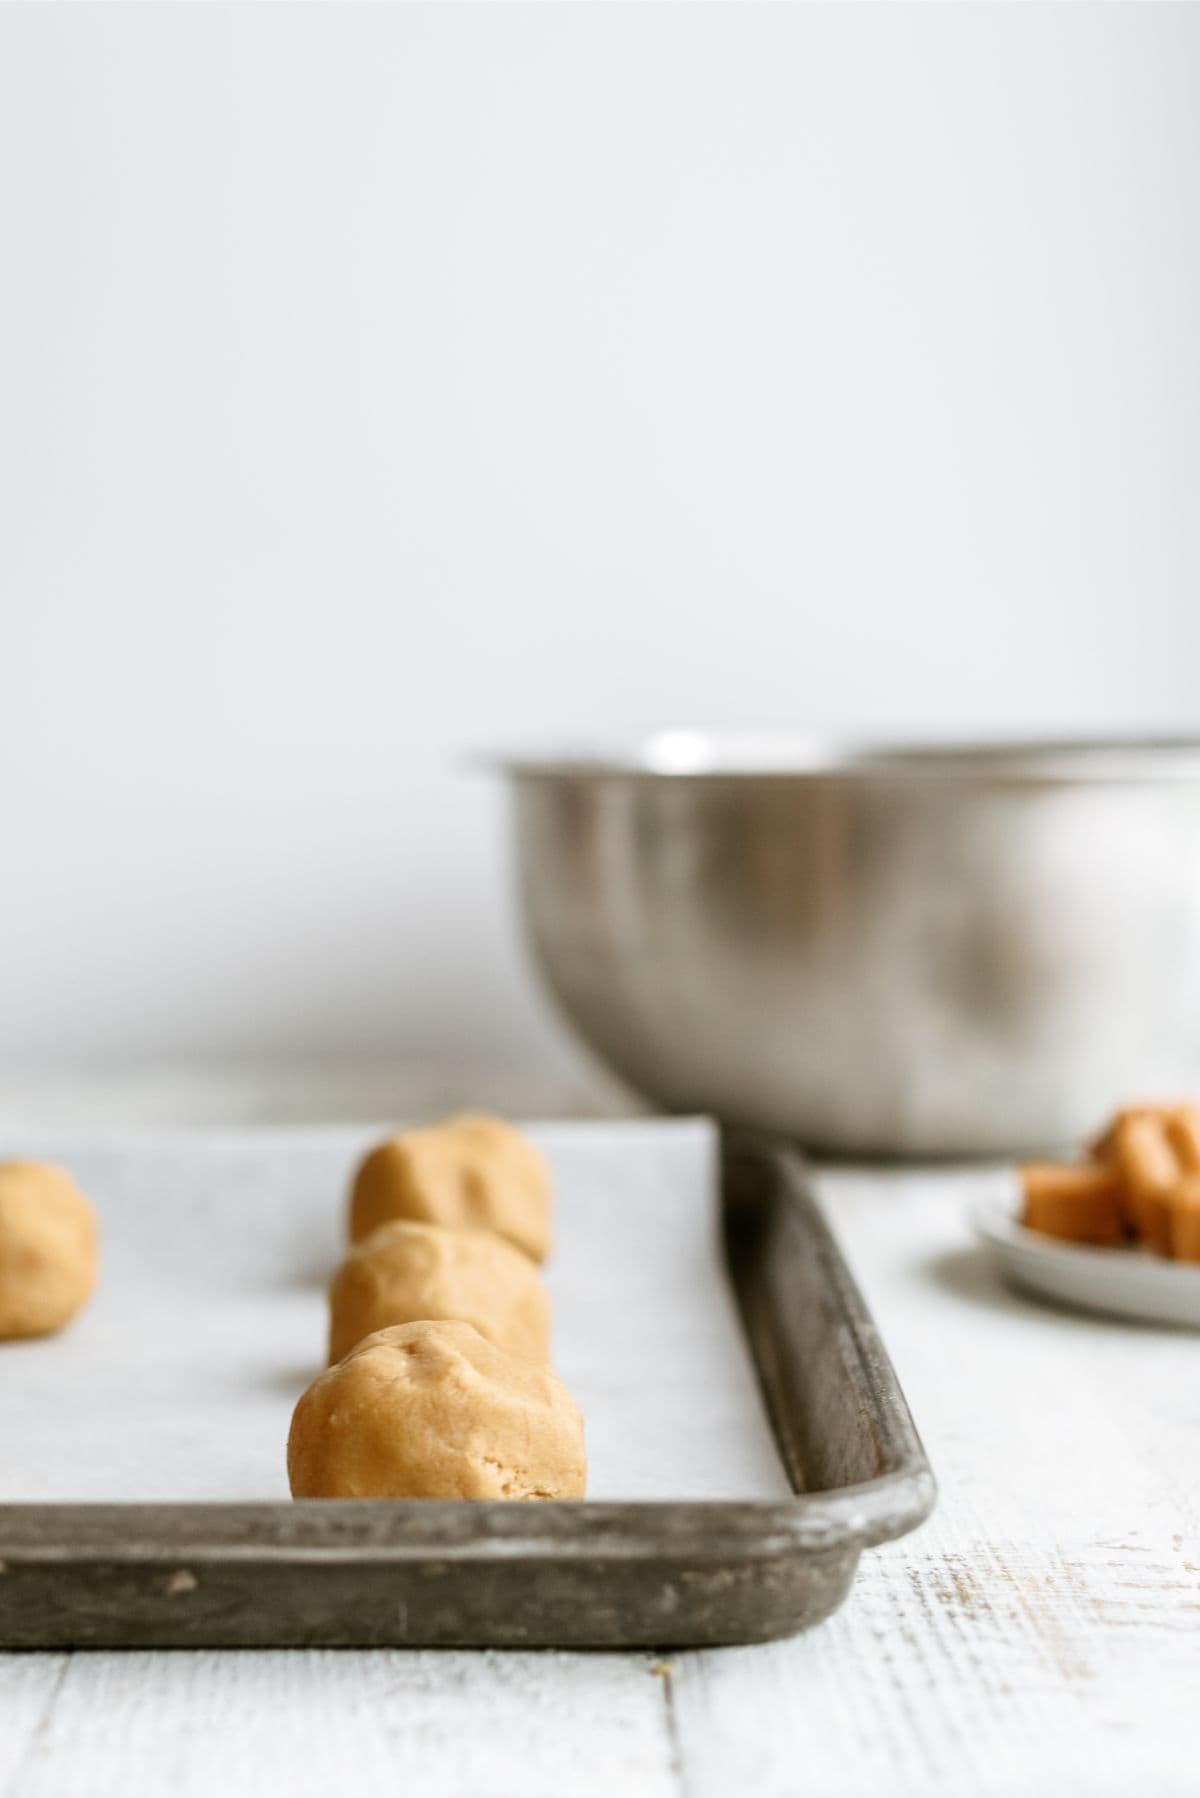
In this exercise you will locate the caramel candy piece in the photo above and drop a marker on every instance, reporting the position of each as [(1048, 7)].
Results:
[(1183, 1134), (404, 1272), (1150, 1170), (468, 1173), (1183, 1220), (1104, 1146), (1079, 1203)]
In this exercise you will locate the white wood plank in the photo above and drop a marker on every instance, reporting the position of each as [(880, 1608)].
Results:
[(989, 1671), (1042, 1633), (29, 1687), (311, 1723)]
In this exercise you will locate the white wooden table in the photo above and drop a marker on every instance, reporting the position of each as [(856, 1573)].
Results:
[(1040, 1635)]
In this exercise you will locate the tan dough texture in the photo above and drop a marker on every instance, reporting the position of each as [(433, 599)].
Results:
[(47, 1248), (434, 1410), (403, 1272), (468, 1173)]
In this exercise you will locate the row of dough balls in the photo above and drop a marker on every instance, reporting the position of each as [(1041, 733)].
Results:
[(440, 1384), (49, 1249)]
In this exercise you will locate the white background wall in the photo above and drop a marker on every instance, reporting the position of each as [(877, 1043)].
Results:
[(380, 381)]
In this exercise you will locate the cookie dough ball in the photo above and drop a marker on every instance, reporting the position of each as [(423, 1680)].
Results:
[(466, 1173), (434, 1410), (404, 1272), (47, 1248)]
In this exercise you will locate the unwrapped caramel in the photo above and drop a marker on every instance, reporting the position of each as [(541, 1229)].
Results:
[(1140, 1183), (1081, 1204)]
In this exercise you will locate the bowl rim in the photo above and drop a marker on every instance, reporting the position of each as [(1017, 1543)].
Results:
[(686, 755)]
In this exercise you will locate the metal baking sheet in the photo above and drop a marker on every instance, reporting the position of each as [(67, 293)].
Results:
[(144, 1473)]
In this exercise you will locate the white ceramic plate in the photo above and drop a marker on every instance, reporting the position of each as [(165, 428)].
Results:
[(1122, 1282)]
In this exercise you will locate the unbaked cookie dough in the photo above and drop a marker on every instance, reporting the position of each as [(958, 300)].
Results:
[(47, 1248), (466, 1173), (403, 1272), (434, 1410)]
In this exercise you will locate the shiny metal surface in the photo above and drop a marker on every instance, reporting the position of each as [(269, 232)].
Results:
[(915, 952)]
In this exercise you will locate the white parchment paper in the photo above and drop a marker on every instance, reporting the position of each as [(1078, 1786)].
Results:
[(178, 1381)]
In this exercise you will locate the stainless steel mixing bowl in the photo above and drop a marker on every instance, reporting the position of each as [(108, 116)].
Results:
[(914, 952)]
